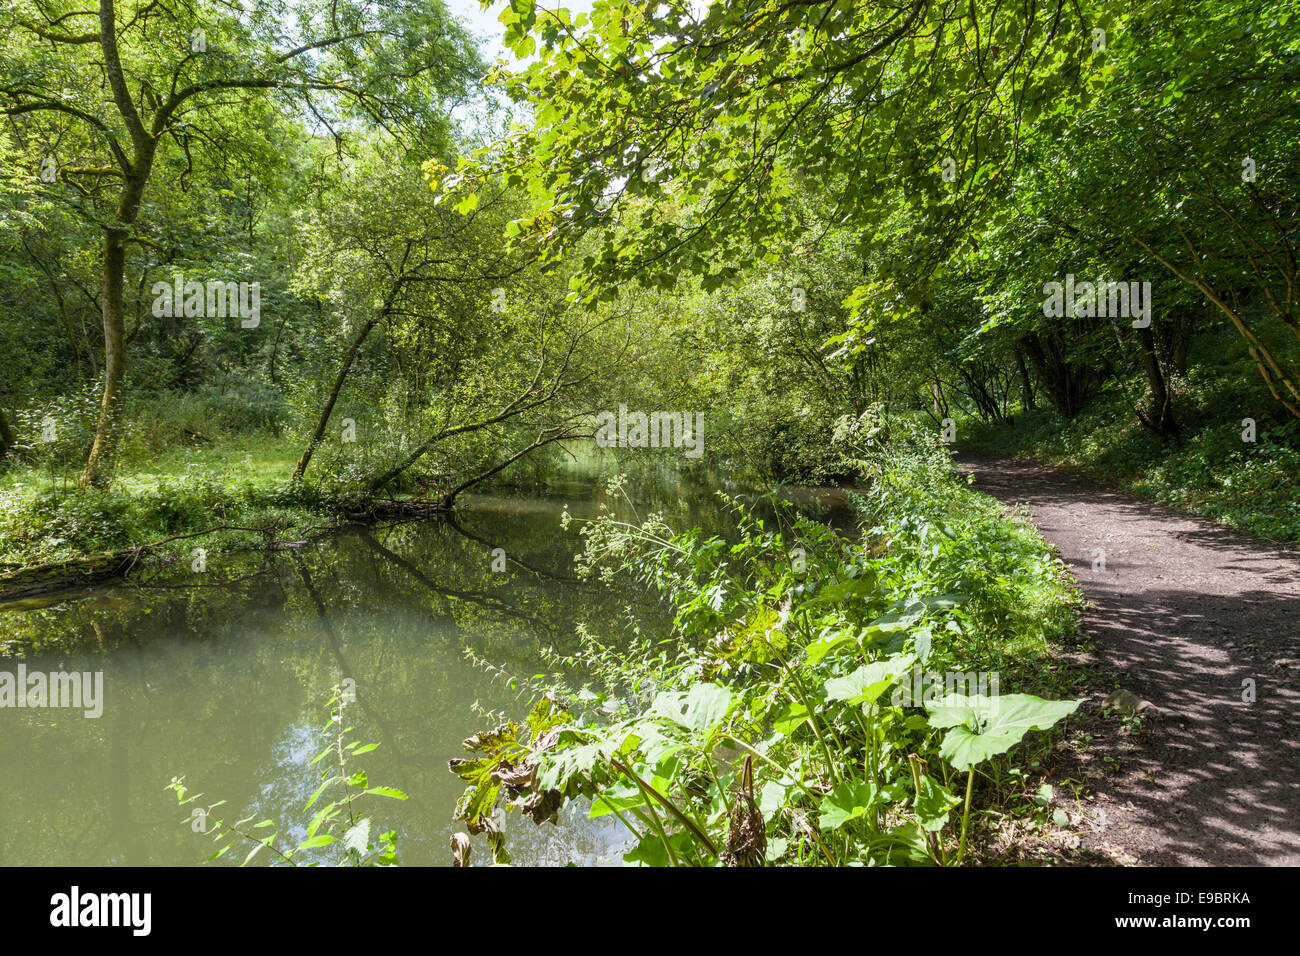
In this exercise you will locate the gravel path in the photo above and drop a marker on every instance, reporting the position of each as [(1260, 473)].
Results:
[(1185, 612)]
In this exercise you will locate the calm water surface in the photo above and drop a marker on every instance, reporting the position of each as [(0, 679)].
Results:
[(224, 677)]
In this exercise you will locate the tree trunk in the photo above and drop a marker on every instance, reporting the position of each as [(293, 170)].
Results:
[(1176, 340), (1281, 379), (1067, 385), (136, 171), (318, 433), (449, 499), (1162, 410), (99, 462), (1026, 383), (6, 435)]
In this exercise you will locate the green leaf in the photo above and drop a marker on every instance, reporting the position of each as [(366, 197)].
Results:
[(316, 795), (791, 718), (623, 795), (868, 682), (843, 591), (358, 837), (701, 709), (387, 792), (776, 848), (771, 798), (983, 727), (899, 620), (652, 852), (849, 801), (323, 839), (255, 850), (904, 845), (933, 802), (819, 649)]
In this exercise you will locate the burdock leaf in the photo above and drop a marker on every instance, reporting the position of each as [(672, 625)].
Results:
[(701, 709), (983, 727), (933, 801), (869, 681), (849, 801)]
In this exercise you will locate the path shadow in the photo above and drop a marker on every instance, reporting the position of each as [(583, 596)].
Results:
[(1205, 624)]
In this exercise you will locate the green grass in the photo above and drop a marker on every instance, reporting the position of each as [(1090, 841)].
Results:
[(238, 480), (262, 459)]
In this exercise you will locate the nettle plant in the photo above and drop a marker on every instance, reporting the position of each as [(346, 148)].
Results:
[(763, 730), (339, 832)]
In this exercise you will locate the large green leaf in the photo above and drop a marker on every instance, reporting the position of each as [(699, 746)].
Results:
[(933, 801), (899, 620), (869, 681), (623, 795), (904, 845), (983, 727), (850, 801), (843, 591), (819, 649), (700, 709), (853, 800)]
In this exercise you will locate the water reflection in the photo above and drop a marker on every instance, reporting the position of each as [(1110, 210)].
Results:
[(224, 677)]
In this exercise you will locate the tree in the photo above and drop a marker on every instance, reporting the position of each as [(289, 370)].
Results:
[(479, 361), (1177, 170), (735, 106), (138, 78)]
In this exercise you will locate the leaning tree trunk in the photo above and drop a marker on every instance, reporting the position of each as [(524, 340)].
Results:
[(1282, 381), (318, 433)]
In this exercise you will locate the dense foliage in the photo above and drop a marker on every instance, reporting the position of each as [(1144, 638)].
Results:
[(266, 267), (782, 213), (820, 701)]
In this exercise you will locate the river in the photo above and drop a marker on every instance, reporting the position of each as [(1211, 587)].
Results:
[(223, 676)]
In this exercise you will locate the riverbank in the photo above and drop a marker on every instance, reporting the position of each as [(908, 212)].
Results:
[(181, 505), (189, 504), (773, 726)]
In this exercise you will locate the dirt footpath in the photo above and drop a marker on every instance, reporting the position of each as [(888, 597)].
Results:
[(1188, 615)]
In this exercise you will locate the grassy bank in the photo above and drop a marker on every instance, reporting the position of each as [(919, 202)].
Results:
[(238, 485), (778, 722)]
